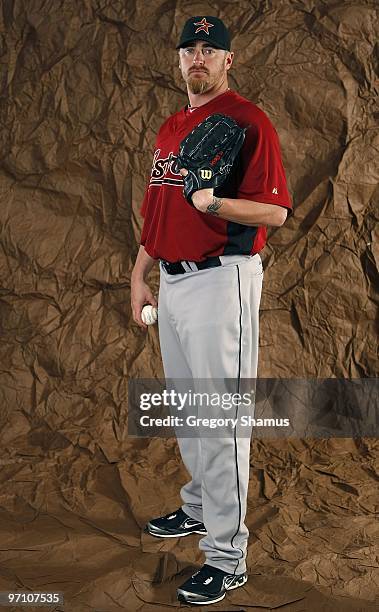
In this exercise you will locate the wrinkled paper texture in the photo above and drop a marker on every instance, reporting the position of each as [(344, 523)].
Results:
[(85, 86)]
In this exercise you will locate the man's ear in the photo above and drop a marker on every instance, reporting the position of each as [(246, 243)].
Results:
[(229, 59)]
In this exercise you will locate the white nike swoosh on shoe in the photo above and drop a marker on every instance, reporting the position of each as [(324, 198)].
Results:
[(190, 523)]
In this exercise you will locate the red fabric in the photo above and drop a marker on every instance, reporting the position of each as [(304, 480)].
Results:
[(264, 179), (174, 230)]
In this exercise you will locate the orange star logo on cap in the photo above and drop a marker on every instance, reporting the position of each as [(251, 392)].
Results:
[(203, 26)]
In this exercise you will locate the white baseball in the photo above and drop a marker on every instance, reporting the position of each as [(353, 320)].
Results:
[(149, 314)]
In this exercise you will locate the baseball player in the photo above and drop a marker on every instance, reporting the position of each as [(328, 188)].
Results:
[(210, 287)]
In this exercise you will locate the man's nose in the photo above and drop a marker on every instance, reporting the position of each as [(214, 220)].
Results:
[(198, 56)]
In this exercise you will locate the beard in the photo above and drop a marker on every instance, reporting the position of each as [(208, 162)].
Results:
[(204, 84), (199, 86)]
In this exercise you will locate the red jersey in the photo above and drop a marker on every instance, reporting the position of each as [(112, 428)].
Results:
[(175, 231)]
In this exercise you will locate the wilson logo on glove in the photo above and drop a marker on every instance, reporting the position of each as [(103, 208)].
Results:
[(206, 175), (215, 142)]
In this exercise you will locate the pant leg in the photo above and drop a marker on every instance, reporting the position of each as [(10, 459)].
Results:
[(177, 371), (216, 317)]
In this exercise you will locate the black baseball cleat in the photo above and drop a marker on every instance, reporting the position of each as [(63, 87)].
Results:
[(209, 585), (174, 525)]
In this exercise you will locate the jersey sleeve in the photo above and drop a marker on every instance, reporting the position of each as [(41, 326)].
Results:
[(264, 178)]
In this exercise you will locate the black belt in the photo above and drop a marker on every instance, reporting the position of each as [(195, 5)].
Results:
[(181, 267)]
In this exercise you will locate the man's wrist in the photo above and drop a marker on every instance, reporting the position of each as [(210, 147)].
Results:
[(138, 276)]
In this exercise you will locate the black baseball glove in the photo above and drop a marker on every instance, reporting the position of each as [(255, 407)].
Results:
[(208, 153)]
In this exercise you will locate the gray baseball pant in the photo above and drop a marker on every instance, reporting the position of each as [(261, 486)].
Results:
[(208, 329)]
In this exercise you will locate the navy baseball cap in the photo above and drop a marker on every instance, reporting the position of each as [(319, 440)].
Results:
[(210, 29)]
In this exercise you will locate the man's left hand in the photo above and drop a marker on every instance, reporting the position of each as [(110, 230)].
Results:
[(201, 199)]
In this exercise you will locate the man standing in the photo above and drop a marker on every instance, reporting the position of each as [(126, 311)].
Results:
[(210, 287)]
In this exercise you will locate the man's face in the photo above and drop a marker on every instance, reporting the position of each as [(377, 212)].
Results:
[(203, 66)]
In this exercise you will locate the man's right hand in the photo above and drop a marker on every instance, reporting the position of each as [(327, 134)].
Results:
[(140, 295)]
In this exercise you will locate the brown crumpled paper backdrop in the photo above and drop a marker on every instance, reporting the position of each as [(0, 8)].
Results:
[(85, 85)]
